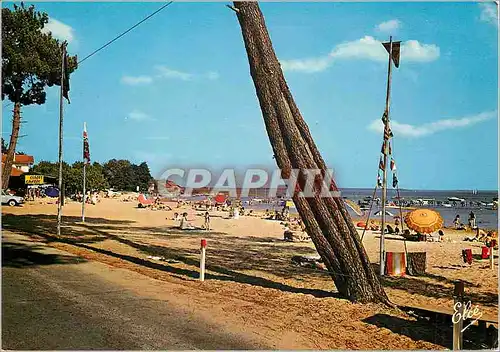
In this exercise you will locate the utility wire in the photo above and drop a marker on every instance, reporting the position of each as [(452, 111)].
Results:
[(122, 34), (115, 39)]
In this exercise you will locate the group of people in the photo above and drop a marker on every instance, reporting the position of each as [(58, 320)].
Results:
[(284, 215), (186, 225), (91, 197), (471, 221), (33, 193)]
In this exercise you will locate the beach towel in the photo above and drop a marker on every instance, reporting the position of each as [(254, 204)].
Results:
[(416, 263), (395, 263), (467, 255)]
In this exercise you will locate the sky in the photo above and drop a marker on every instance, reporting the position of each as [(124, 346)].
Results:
[(177, 89)]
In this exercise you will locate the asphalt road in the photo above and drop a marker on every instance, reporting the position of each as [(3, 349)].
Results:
[(53, 300)]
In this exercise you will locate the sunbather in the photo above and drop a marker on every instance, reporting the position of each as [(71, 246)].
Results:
[(185, 225)]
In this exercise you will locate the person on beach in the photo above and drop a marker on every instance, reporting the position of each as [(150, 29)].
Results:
[(185, 225), (456, 222), (207, 221), (472, 220)]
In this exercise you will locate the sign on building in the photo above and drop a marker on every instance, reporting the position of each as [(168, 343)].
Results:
[(33, 179)]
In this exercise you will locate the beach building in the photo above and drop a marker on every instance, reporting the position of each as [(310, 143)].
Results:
[(22, 163)]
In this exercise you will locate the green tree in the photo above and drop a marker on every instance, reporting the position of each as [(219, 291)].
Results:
[(119, 174), (46, 168), (142, 175), (4, 146), (31, 61), (95, 179)]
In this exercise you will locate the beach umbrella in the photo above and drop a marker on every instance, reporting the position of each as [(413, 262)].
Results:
[(424, 220), (220, 199), (354, 207)]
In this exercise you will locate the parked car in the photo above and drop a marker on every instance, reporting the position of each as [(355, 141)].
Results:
[(11, 200)]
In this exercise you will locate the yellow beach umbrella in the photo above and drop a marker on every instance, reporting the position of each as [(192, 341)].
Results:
[(424, 220)]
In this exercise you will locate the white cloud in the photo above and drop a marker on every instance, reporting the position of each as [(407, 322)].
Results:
[(390, 26), (166, 72), (212, 75), (306, 65), (59, 30), (426, 129), (138, 115), (489, 13), (136, 80), (413, 51), (367, 48)]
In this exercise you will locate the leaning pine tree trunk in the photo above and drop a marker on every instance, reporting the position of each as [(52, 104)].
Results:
[(9, 160), (327, 221)]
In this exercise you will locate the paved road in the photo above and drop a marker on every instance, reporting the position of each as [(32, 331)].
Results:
[(53, 300)]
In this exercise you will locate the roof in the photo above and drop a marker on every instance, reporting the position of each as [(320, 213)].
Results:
[(16, 172), (20, 159)]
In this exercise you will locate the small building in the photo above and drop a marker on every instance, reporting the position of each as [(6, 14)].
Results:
[(22, 163)]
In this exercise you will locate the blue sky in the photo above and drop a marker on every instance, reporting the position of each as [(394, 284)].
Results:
[(177, 89)]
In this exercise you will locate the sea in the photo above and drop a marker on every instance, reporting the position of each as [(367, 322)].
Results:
[(486, 217)]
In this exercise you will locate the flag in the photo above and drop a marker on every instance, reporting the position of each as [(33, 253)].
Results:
[(384, 117), (86, 151), (381, 165), (387, 133), (390, 149), (396, 51), (66, 79), (393, 165), (65, 73), (379, 181), (383, 147), (394, 181)]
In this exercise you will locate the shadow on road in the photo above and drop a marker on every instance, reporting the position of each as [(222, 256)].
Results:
[(18, 255)]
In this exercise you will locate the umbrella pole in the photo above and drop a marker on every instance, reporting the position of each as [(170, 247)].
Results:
[(401, 218), (369, 213)]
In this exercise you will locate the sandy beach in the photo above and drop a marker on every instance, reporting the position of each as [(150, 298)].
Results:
[(248, 260)]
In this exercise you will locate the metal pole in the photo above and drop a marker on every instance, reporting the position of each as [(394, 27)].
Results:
[(384, 180), (84, 191), (61, 110), (202, 259)]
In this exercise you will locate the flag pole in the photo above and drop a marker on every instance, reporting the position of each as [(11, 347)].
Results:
[(61, 110), (386, 145), (84, 175)]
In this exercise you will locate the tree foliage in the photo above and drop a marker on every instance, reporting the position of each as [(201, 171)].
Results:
[(118, 174), (4, 146), (31, 61), (31, 58)]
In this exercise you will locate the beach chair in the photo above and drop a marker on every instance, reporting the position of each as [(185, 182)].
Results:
[(144, 202)]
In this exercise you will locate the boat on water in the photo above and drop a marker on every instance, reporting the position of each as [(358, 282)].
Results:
[(456, 199), (387, 213)]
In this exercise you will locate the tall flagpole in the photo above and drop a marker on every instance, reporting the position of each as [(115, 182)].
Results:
[(84, 173), (386, 146), (61, 110)]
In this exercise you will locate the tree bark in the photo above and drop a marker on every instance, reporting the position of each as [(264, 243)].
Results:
[(326, 219), (9, 160)]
